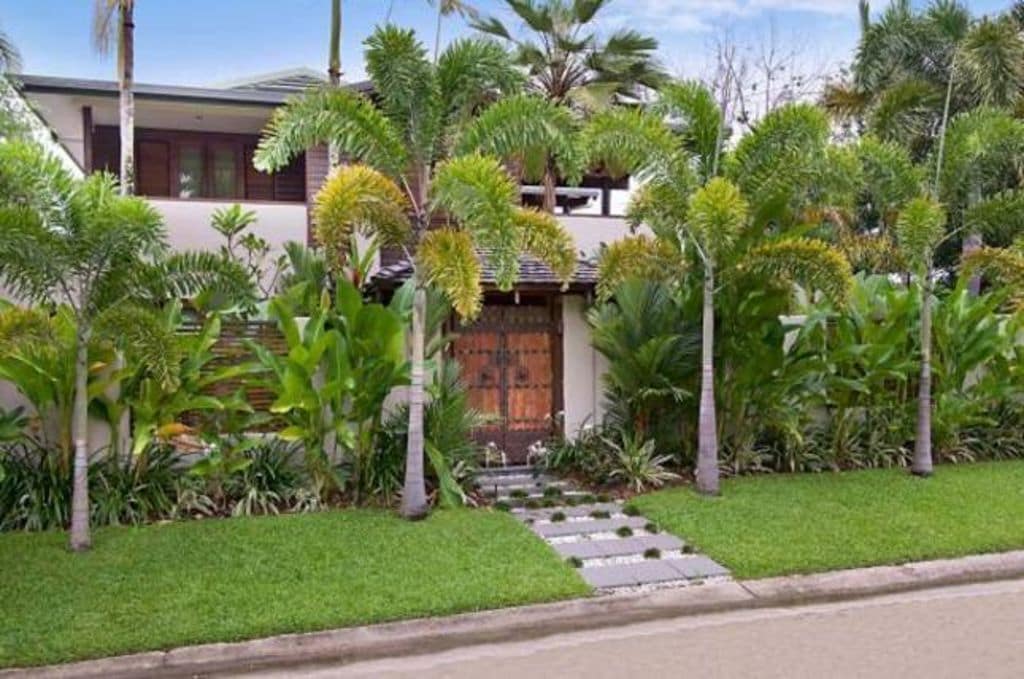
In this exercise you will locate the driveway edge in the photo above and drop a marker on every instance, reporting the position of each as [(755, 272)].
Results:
[(430, 635)]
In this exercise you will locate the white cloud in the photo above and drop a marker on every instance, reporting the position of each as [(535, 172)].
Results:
[(701, 15)]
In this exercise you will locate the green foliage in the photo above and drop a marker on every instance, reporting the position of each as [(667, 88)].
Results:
[(638, 256), (330, 388), (636, 464), (567, 61), (651, 349), (919, 229), (718, 212)]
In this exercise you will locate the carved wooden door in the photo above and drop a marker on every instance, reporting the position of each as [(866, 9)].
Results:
[(510, 359)]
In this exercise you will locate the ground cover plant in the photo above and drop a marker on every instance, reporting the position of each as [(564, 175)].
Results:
[(185, 583), (784, 524)]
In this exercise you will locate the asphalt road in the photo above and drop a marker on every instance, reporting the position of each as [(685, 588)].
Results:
[(975, 631)]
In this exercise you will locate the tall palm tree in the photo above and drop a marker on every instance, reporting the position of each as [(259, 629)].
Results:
[(400, 145), (110, 17), (104, 256), (919, 230), (569, 63), (334, 69), (738, 232)]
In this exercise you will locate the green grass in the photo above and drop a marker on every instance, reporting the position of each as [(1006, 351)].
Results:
[(778, 525), (224, 580)]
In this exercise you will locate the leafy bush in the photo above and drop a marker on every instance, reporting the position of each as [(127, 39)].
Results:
[(636, 464)]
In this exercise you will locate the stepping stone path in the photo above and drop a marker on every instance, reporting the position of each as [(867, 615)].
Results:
[(612, 550)]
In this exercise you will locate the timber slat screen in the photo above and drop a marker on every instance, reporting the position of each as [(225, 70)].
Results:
[(231, 350)]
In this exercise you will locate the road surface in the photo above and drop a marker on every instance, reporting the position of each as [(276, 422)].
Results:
[(974, 631)]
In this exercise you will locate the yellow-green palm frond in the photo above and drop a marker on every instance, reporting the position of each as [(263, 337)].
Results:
[(718, 213), (481, 196), (1004, 267), (448, 261), (696, 117), (358, 198), (808, 262), (661, 206), (919, 229), (544, 238), (874, 252), (637, 257)]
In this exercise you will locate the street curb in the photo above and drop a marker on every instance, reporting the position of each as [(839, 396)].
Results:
[(431, 635)]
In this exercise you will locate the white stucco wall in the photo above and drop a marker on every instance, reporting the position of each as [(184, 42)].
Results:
[(582, 367), (188, 223), (591, 232)]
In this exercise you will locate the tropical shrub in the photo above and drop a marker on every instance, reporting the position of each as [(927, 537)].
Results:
[(636, 464)]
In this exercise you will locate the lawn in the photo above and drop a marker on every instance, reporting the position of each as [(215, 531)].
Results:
[(777, 525), (222, 580)]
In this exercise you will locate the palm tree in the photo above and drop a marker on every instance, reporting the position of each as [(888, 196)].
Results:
[(103, 34), (103, 256), (919, 230), (447, 8), (399, 145), (740, 232), (569, 64), (334, 69)]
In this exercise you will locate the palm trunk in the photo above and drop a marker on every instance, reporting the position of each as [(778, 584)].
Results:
[(707, 425), (414, 495), (922, 465), (80, 538), (550, 190), (126, 65), (437, 32), (334, 71)]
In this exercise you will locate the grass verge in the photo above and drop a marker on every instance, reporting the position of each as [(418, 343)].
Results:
[(788, 524), (162, 586)]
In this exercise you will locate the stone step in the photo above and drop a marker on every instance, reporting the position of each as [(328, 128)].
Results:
[(588, 526), (651, 572), (604, 549), (509, 470), (528, 486), (536, 494), (578, 511)]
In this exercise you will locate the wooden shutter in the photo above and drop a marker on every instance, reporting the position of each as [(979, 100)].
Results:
[(258, 185), (152, 168)]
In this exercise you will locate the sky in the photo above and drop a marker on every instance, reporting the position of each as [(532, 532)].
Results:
[(204, 42)]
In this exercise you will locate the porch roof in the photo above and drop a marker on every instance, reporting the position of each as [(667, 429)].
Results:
[(533, 274)]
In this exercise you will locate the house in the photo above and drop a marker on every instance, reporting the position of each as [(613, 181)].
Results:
[(528, 360)]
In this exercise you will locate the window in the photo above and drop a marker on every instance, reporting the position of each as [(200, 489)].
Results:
[(197, 165), (190, 171)]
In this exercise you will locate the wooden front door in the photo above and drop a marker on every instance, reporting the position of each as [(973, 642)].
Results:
[(511, 364)]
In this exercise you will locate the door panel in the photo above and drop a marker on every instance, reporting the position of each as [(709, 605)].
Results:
[(509, 364)]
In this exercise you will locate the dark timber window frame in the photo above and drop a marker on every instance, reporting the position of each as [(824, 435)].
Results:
[(158, 164)]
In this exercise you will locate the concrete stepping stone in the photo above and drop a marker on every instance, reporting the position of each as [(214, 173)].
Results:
[(563, 528), (607, 577), (697, 567), (605, 549), (572, 512)]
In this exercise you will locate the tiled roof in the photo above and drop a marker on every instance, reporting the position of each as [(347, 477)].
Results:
[(532, 272)]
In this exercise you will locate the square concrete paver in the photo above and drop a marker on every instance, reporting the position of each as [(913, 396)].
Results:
[(693, 567), (584, 549), (655, 570), (620, 575)]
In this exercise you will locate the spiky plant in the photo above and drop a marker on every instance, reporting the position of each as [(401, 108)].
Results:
[(919, 229), (105, 257), (777, 180), (400, 144)]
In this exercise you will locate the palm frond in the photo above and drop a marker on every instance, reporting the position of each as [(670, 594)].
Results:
[(919, 229), (332, 116), (519, 128), (640, 257), (999, 217), (631, 141), (448, 261), (992, 60), (544, 238), (694, 114), (472, 72), (1003, 267), (718, 213), (359, 199), (810, 263)]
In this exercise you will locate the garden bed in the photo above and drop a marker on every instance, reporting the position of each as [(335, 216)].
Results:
[(778, 525), (168, 585)]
